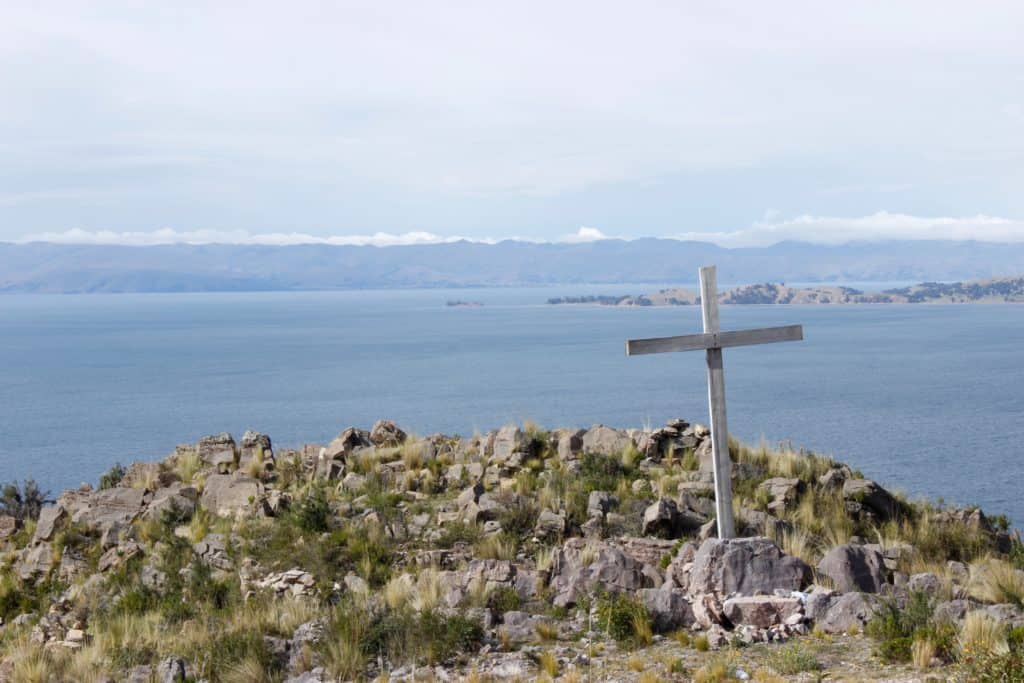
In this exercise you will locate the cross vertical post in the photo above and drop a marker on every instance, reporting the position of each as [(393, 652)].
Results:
[(716, 406), (712, 341)]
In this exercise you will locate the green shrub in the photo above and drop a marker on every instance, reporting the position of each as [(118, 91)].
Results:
[(895, 628), (112, 477), (459, 532), (23, 502), (619, 616), (504, 599), (312, 514)]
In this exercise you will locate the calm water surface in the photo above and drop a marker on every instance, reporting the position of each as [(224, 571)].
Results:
[(928, 399)]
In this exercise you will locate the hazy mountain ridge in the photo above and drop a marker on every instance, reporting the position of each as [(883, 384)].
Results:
[(55, 268)]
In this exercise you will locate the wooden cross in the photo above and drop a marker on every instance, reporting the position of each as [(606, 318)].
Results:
[(713, 341)]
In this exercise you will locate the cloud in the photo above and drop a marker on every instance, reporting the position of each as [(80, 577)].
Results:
[(878, 226), (169, 236), (771, 229), (585, 234)]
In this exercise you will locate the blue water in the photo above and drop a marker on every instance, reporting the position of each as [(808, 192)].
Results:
[(927, 399)]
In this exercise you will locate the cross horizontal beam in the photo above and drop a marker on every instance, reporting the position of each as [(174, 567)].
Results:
[(715, 340)]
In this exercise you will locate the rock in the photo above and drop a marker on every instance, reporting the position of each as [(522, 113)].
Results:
[(762, 611), (817, 603), (231, 496), (218, 450), (110, 506), (926, 583), (762, 524), (952, 611), (347, 442), (255, 446), (871, 496), (315, 675), (600, 503), (834, 478), (386, 434), (508, 443), (668, 607), (9, 526), (294, 582), (854, 568), (49, 517), (664, 519), (605, 441), (550, 525), (1009, 615), (171, 670), (746, 566), (783, 492), (521, 627), (570, 442), (175, 500), (580, 567), (213, 551), (848, 611), (36, 561)]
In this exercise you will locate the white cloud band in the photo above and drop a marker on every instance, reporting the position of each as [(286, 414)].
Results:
[(876, 227)]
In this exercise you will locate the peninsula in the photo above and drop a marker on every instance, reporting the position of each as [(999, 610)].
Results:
[(990, 291), (518, 554)]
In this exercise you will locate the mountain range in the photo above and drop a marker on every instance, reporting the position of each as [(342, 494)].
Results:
[(69, 268)]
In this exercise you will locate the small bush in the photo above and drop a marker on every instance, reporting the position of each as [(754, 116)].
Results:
[(624, 618), (895, 628), (112, 477), (23, 502), (504, 599), (312, 514), (459, 532), (793, 659)]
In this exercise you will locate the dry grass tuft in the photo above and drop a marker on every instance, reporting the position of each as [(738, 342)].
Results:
[(981, 635)]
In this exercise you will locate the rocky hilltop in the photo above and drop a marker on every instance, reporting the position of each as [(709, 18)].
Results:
[(519, 554), (992, 291)]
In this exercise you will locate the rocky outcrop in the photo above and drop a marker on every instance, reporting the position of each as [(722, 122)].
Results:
[(580, 567), (854, 568), (604, 440), (746, 566), (231, 496), (864, 495)]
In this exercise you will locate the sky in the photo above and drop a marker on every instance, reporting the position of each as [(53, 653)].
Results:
[(390, 123)]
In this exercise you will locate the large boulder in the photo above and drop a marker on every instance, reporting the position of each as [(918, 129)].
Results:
[(668, 607), (664, 519), (854, 568), (747, 566), (782, 492), (763, 611), (36, 561), (109, 507), (218, 450), (510, 444), (49, 517), (230, 496), (175, 500), (347, 442), (581, 567), (847, 612), (604, 440), (570, 441), (864, 494), (255, 446), (386, 434)]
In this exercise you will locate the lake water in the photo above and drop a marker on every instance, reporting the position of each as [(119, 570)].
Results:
[(927, 399)]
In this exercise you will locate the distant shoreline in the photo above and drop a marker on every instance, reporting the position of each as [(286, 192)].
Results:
[(989, 291)]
